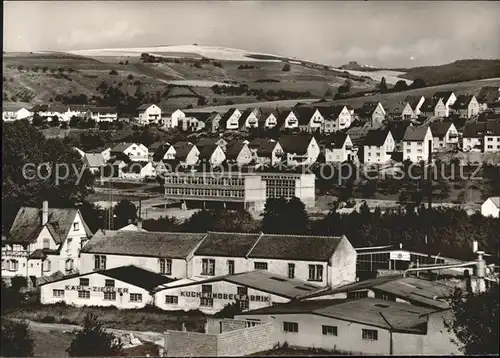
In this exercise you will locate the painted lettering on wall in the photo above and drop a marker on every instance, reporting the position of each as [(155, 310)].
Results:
[(95, 289), (225, 296)]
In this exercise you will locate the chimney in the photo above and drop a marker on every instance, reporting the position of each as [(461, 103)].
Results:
[(45, 212), (474, 246), (139, 223)]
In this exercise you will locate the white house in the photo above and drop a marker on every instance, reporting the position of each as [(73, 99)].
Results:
[(269, 119), (378, 146), (287, 120), (372, 113), (310, 119), (172, 121), (165, 253), (415, 102), (481, 136), (149, 113), (186, 153), (212, 155), (416, 143), (445, 135), (165, 152), (94, 162), (491, 207), (336, 118), (44, 241), (136, 152), (103, 114), (339, 148), (448, 98), (266, 151), (322, 260), (138, 171), (13, 113), (248, 120), (124, 287), (231, 120), (239, 153), (299, 149), (466, 106), (434, 107)]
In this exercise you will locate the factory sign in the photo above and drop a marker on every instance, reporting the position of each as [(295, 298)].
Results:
[(225, 296), (400, 255), (95, 289)]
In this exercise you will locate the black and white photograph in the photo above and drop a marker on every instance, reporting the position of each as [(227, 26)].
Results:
[(250, 178)]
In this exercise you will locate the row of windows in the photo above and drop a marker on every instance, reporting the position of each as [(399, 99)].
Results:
[(205, 192), (205, 180), (280, 192), (491, 147), (380, 261), (366, 334), (108, 296), (490, 139)]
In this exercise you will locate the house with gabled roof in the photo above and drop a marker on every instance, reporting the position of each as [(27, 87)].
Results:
[(372, 113), (149, 113), (11, 112), (164, 152), (448, 98), (336, 118), (154, 147), (266, 152), (300, 149), (378, 145), (445, 136), (248, 120), (44, 241), (211, 155), (186, 153), (221, 142), (481, 136), (238, 153), (339, 148), (399, 111), (268, 118), (310, 119), (103, 114), (416, 143), (434, 107), (491, 207), (94, 162), (231, 119), (488, 96), (138, 171), (466, 106), (398, 129), (135, 151), (287, 119), (415, 102), (172, 120)]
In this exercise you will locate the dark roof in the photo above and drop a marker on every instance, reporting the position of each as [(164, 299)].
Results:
[(429, 105), (42, 253), (304, 114), (376, 137), (264, 146), (413, 101), (398, 129), (160, 152), (295, 247), (27, 224), (488, 94), (227, 244), (401, 316), (204, 117), (206, 151), (444, 95), (136, 276), (366, 109), (244, 115), (331, 112), (134, 167), (415, 290), (415, 133), (103, 110), (224, 118), (462, 101), (153, 147), (140, 243), (336, 140), (120, 147), (479, 129), (182, 149), (294, 143), (439, 129), (282, 116), (234, 148), (146, 106)]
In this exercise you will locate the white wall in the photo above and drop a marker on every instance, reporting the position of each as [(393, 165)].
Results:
[(490, 209), (491, 143)]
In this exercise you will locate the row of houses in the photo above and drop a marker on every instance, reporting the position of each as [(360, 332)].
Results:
[(63, 113)]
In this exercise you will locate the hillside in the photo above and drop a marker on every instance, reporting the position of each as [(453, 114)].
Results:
[(42, 77), (458, 71)]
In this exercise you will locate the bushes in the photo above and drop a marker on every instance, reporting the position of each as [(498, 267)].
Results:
[(286, 68), (113, 73), (130, 77), (48, 319)]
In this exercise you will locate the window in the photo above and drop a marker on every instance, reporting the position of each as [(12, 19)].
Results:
[(58, 293), (69, 264), (369, 334), (84, 294), (315, 273), (260, 265), (329, 330), (385, 296), (46, 265), (206, 296), (208, 267), (14, 265), (230, 267), (166, 266), (84, 282), (4, 265), (291, 327), (136, 297), (99, 262), (109, 283), (291, 270), (46, 243), (109, 296), (76, 226), (357, 295), (171, 300)]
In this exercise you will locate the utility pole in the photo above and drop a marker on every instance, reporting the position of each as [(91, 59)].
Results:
[(390, 333), (429, 181)]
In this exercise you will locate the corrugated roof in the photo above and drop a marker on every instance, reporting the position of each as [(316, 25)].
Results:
[(138, 243), (415, 133), (295, 247), (227, 244), (370, 311), (28, 224)]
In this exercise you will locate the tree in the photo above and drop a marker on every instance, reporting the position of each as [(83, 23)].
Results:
[(286, 68), (125, 212), (474, 321), (16, 339), (282, 217), (418, 83), (383, 85), (297, 216), (400, 86), (113, 73), (93, 341)]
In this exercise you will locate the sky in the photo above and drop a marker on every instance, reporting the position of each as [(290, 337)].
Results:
[(377, 33)]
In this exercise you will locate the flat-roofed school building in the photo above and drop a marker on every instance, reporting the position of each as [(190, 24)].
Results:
[(123, 287)]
